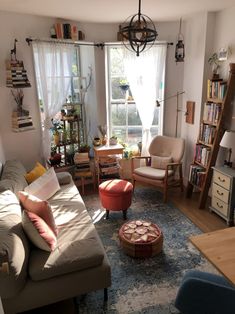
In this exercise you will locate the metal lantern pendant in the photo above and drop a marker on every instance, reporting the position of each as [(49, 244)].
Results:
[(179, 48), (138, 32)]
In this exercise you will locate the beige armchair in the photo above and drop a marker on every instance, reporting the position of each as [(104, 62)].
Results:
[(163, 168)]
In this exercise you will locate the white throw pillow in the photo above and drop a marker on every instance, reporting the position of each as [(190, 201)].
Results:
[(160, 162), (45, 186)]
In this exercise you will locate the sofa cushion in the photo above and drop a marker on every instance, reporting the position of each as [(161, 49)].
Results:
[(45, 186), (38, 231), (35, 173), (78, 246), (14, 246), (39, 207), (14, 172)]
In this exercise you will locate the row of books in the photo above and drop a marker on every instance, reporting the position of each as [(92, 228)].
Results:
[(212, 112), (202, 154), (16, 75), (68, 31), (196, 175), (109, 166), (22, 123), (207, 133), (82, 162), (216, 89)]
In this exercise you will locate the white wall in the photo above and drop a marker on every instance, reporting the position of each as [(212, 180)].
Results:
[(25, 146), (195, 41), (2, 154)]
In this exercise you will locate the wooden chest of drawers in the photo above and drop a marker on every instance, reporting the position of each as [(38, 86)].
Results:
[(223, 193)]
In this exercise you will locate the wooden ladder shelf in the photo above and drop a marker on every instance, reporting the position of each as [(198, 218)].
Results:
[(220, 129)]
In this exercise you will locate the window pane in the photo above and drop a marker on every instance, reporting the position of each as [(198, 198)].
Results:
[(154, 131), (156, 117), (118, 114), (134, 135), (120, 132), (117, 93), (133, 115)]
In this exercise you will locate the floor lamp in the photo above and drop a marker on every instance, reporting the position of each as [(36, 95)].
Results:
[(177, 108)]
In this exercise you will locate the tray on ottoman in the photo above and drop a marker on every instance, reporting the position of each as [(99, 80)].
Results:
[(140, 238)]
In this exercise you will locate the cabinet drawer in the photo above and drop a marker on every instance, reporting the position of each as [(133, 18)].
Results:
[(220, 206), (220, 193), (222, 180)]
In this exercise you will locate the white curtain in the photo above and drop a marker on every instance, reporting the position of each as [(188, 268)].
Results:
[(53, 67), (145, 74)]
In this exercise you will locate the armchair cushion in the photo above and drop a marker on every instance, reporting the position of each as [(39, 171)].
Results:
[(160, 162), (152, 173)]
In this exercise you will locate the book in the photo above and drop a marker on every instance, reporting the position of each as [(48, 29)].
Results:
[(74, 32)]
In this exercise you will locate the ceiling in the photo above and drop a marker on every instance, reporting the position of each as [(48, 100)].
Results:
[(110, 11)]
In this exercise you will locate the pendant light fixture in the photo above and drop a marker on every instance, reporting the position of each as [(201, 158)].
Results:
[(179, 48), (137, 32)]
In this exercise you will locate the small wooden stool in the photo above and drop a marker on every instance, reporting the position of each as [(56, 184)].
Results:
[(83, 175)]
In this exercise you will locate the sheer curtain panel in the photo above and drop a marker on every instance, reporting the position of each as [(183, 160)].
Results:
[(53, 68), (145, 74)]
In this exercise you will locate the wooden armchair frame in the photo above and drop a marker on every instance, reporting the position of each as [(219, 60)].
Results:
[(167, 182)]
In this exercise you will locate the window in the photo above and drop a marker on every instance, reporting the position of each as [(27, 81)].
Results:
[(123, 116)]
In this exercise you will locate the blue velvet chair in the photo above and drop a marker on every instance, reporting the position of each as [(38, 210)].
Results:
[(205, 293)]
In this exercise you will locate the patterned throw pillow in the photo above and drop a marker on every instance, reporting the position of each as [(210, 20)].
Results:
[(41, 208), (45, 186), (160, 162), (38, 231), (37, 171)]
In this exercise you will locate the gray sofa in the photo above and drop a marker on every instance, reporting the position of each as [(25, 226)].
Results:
[(36, 278)]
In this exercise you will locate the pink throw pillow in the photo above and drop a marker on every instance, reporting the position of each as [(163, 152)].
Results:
[(38, 231), (41, 208)]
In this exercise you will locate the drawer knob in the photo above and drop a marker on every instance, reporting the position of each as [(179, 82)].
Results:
[(220, 193), (221, 180), (220, 206)]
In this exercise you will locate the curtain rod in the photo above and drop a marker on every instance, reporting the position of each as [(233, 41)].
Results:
[(78, 43)]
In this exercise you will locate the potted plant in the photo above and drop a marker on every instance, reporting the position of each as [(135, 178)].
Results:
[(55, 158), (214, 63), (113, 140), (124, 85), (56, 128)]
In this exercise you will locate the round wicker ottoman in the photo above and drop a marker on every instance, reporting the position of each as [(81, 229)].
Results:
[(140, 238), (116, 195)]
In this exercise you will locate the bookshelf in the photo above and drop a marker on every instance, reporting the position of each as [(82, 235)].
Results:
[(212, 127)]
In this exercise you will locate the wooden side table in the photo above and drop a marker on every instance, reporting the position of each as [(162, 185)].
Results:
[(105, 150)]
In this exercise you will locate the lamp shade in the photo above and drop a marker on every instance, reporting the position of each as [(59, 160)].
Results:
[(228, 140)]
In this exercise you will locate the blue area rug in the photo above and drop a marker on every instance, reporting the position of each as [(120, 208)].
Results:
[(144, 285)]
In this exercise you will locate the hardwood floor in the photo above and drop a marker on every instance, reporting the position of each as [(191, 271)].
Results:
[(204, 219)]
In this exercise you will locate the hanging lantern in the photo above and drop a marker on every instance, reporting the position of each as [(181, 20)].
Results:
[(179, 48)]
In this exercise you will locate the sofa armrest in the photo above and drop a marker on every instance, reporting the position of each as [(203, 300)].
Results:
[(64, 178)]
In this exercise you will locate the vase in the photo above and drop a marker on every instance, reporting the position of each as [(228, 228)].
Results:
[(104, 140)]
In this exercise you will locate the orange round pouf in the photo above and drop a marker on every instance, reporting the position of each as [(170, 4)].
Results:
[(140, 238), (116, 195)]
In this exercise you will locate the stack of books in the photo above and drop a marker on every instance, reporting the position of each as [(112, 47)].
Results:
[(82, 163), (21, 123), (196, 175), (109, 167), (68, 31), (16, 75)]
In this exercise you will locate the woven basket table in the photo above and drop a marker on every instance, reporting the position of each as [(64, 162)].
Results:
[(140, 238)]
